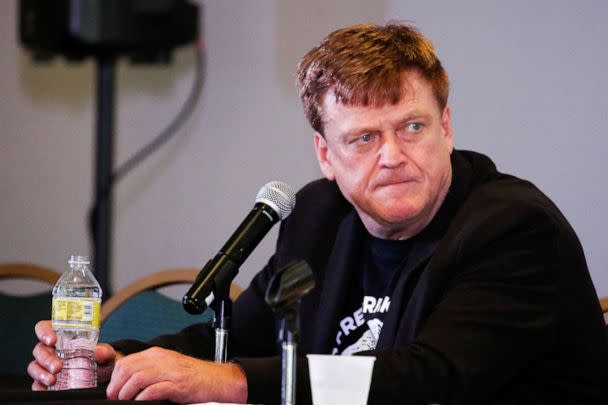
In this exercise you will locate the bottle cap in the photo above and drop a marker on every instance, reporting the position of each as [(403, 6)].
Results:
[(78, 260)]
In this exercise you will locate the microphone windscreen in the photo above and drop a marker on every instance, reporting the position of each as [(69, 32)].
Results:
[(279, 196)]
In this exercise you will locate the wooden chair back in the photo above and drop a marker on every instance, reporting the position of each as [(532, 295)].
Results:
[(19, 314), (30, 271), (139, 311), (604, 304)]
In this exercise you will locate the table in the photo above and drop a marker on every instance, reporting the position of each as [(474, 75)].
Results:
[(89, 396)]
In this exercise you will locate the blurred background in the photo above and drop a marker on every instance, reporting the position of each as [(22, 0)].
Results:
[(528, 88)]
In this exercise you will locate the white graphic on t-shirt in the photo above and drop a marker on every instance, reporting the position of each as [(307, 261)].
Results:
[(349, 324), (368, 340), (372, 305)]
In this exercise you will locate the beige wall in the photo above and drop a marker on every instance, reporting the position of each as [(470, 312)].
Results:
[(528, 88)]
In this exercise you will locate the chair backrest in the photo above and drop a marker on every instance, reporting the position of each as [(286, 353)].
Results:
[(138, 311), (19, 313), (604, 304)]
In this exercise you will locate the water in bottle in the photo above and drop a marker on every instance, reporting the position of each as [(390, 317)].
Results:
[(76, 304)]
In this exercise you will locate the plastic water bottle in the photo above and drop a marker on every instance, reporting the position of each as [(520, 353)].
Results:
[(76, 304)]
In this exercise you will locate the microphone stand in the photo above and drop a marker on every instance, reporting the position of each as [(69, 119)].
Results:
[(217, 293), (222, 308), (283, 295), (289, 336)]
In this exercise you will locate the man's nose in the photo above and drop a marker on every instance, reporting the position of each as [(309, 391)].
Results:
[(391, 153)]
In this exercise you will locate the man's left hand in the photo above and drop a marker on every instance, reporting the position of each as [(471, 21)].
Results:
[(160, 374)]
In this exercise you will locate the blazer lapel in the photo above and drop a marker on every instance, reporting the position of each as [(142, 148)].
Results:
[(394, 322), (417, 285), (338, 276)]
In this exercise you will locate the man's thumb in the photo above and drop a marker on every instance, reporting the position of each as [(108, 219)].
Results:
[(104, 353)]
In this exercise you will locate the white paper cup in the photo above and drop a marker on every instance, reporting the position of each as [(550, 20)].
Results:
[(340, 379)]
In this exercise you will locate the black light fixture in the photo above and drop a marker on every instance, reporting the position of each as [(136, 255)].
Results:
[(145, 31)]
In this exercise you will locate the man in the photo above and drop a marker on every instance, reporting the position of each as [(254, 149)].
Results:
[(468, 285)]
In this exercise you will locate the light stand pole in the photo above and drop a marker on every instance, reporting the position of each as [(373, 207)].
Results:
[(104, 163)]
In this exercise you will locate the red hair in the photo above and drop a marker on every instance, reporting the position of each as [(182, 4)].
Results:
[(363, 65)]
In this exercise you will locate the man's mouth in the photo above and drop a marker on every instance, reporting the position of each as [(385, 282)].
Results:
[(394, 182)]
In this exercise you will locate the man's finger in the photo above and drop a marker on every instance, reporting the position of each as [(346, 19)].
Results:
[(44, 332), (36, 386), (123, 370), (40, 375), (160, 390), (46, 357), (104, 353), (138, 382)]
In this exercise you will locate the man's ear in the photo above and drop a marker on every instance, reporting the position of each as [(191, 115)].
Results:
[(323, 157), (446, 124)]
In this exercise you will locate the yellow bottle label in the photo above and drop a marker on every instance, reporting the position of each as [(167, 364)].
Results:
[(76, 312)]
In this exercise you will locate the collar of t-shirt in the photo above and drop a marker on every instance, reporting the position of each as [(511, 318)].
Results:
[(369, 297)]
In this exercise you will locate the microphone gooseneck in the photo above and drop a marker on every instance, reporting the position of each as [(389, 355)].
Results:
[(274, 202)]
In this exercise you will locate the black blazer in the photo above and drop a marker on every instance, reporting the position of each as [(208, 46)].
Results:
[(496, 304)]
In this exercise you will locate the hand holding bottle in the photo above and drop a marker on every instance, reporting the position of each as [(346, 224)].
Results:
[(45, 366), (75, 320)]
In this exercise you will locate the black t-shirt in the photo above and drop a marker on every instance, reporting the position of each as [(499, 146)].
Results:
[(369, 298)]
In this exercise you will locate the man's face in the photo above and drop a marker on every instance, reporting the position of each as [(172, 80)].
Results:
[(392, 163)]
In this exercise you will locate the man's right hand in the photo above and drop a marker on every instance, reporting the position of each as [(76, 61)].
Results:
[(45, 366)]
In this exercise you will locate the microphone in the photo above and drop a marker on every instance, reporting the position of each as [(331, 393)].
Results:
[(273, 203)]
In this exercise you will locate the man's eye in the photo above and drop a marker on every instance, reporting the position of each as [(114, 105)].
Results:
[(366, 137), (414, 126)]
